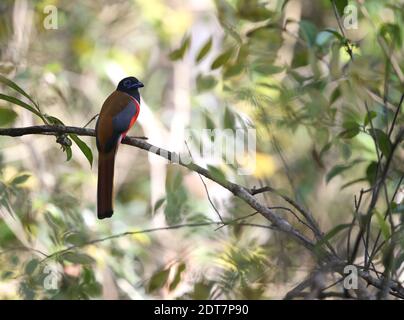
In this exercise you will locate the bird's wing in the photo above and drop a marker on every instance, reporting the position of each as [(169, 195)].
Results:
[(117, 115)]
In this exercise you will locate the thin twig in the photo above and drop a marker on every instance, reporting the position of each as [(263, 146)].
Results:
[(127, 233), (206, 187), (91, 120)]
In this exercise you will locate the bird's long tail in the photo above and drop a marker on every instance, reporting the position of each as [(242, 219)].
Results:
[(106, 163)]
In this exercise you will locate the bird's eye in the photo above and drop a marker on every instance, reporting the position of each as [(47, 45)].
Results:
[(127, 83)]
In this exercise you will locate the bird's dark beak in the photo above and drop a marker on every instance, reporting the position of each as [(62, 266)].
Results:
[(140, 85)]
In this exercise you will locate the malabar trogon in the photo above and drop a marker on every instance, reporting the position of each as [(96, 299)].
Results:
[(118, 114)]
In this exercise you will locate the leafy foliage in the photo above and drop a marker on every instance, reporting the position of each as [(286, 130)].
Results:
[(326, 104)]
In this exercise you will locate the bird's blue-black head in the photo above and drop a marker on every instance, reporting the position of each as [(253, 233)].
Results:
[(130, 85)]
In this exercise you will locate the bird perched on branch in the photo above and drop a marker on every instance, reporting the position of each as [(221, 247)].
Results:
[(118, 114)]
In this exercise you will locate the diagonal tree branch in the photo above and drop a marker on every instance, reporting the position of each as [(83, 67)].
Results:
[(239, 191)]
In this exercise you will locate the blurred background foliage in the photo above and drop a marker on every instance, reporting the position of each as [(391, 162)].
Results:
[(280, 67)]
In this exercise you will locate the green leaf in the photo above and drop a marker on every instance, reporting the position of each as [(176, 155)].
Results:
[(351, 130), (233, 70), (349, 133), (382, 140), (68, 153), (20, 103), (335, 95), (336, 34), (54, 120), (201, 290), (20, 179), (397, 208), (350, 183), (384, 227), (371, 172), (332, 233), (176, 198), (177, 181), (221, 59), (308, 31), (217, 173), (74, 238), (336, 170), (252, 10), (158, 204), (7, 116), (158, 280), (179, 53), (77, 258), (204, 83), (210, 123), (340, 4), (7, 275), (229, 121), (204, 50), (83, 147), (398, 262), (267, 69), (339, 168), (369, 117), (391, 33), (17, 88), (323, 38), (31, 266), (177, 277)]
